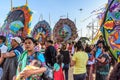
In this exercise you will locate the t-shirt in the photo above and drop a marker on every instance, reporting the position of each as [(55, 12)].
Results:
[(91, 60), (3, 48), (50, 55), (98, 52), (57, 66), (39, 56), (10, 64), (66, 57), (18, 51), (80, 59)]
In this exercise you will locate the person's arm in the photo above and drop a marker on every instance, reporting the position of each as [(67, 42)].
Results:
[(72, 63), (8, 54), (101, 59), (72, 60), (1, 60)]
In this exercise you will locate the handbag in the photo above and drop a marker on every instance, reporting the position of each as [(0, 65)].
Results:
[(48, 74)]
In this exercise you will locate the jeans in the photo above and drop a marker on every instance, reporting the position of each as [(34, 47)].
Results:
[(66, 68), (79, 76), (1, 73)]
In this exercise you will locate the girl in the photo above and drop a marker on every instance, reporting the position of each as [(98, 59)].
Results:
[(66, 60), (102, 65), (58, 73)]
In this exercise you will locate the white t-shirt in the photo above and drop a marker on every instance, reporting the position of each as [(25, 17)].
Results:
[(3, 48)]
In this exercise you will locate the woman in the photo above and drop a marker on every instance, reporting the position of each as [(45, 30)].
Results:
[(66, 60), (91, 62), (102, 65), (79, 61), (28, 55), (58, 73)]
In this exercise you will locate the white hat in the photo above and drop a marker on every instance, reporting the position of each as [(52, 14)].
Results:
[(17, 39)]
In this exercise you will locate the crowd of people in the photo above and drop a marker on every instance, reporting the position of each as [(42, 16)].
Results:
[(29, 59)]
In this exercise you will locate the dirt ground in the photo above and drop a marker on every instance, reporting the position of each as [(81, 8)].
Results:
[(71, 73)]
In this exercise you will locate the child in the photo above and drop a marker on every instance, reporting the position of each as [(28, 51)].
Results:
[(35, 64), (58, 73)]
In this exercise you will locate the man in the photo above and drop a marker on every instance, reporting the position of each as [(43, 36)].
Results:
[(3, 49), (101, 39), (10, 64), (50, 53)]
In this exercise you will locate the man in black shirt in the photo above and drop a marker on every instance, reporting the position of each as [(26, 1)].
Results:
[(50, 53)]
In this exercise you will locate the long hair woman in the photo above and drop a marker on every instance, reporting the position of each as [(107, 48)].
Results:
[(79, 61)]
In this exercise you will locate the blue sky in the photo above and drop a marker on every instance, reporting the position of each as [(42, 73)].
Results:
[(56, 8)]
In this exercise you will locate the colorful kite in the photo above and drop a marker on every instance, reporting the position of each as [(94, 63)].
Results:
[(64, 30), (17, 22), (111, 26), (41, 31)]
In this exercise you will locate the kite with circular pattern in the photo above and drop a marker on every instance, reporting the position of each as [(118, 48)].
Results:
[(18, 21), (64, 30), (41, 31)]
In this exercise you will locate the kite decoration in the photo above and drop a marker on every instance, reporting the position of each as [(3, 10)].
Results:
[(64, 30), (41, 31), (17, 22), (110, 26)]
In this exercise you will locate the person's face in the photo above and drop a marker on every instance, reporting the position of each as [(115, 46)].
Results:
[(101, 38), (47, 44), (1, 41), (13, 43), (34, 63), (29, 45)]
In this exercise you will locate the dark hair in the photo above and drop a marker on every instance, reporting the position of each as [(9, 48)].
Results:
[(79, 46), (88, 49), (100, 36), (59, 59), (37, 63), (30, 39), (106, 48), (3, 38), (63, 47), (50, 41), (115, 74), (36, 42)]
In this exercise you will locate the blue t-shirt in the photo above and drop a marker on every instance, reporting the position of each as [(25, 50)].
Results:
[(18, 51), (98, 52), (37, 55)]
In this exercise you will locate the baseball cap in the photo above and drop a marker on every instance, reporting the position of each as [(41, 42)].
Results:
[(17, 39)]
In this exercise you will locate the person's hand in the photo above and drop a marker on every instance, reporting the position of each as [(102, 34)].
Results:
[(26, 74), (14, 78), (2, 55), (96, 58)]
